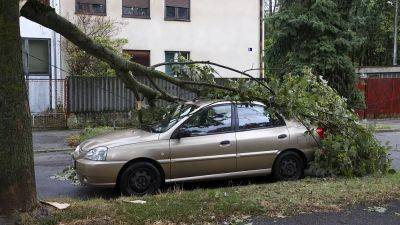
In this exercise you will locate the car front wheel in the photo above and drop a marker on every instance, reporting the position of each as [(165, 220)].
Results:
[(288, 166), (139, 179)]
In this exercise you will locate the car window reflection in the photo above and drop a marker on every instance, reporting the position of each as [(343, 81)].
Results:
[(216, 119)]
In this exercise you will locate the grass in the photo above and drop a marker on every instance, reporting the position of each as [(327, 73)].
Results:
[(230, 204), (87, 133), (378, 127)]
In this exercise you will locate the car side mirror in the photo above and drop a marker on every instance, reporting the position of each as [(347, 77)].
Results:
[(182, 133)]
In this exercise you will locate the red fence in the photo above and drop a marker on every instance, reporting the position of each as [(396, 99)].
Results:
[(382, 97)]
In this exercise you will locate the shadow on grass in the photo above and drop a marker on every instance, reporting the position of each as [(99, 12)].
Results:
[(86, 192)]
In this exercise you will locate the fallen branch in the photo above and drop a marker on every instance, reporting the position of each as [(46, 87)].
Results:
[(47, 17), (217, 65)]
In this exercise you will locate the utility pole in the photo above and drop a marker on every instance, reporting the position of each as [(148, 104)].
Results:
[(395, 33)]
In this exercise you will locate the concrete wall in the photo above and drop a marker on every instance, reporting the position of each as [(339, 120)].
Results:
[(222, 31)]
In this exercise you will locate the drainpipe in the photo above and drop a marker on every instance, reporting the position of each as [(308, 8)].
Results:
[(261, 38), (395, 33), (54, 44)]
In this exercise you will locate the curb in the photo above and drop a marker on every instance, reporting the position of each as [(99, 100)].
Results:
[(53, 150), (387, 130)]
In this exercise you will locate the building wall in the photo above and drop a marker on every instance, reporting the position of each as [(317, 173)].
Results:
[(43, 92), (221, 31)]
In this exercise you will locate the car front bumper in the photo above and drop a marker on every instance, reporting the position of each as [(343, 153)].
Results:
[(98, 173)]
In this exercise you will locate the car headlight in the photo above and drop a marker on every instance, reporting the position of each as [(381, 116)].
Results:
[(97, 154)]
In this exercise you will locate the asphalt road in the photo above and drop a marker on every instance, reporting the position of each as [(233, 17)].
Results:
[(359, 215), (49, 164)]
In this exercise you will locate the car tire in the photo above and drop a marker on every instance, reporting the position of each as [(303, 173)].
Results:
[(288, 166), (141, 178)]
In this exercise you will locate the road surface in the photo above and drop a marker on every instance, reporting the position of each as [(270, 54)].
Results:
[(48, 164)]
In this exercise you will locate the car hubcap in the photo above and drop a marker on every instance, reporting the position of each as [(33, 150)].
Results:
[(140, 180), (288, 167)]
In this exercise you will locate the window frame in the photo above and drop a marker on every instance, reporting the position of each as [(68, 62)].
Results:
[(90, 9), (176, 18), (233, 120), (237, 129), (25, 43), (179, 53), (137, 17), (129, 51)]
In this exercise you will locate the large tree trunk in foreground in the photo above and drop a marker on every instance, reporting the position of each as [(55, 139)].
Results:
[(17, 175)]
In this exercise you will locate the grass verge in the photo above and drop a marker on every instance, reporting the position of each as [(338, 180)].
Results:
[(229, 203)]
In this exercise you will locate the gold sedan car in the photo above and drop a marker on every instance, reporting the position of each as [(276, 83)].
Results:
[(199, 140)]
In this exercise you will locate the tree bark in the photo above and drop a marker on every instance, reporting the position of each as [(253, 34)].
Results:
[(17, 175)]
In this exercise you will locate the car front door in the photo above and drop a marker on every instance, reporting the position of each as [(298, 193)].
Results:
[(259, 137), (209, 146)]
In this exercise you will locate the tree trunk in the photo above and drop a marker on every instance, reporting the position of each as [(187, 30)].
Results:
[(17, 175)]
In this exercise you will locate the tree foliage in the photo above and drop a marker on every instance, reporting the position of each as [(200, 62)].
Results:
[(372, 21), (314, 34), (103, 31)]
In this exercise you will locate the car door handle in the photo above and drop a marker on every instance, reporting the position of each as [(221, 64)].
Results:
[(282, 136), (224, 143)]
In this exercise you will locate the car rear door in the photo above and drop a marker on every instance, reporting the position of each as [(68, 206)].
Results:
[(211, 146), (259, 137)]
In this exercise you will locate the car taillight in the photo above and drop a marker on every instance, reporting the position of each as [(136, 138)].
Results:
[(320, 132)]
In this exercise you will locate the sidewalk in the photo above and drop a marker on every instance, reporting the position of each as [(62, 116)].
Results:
[(51, 140), (384, 125)]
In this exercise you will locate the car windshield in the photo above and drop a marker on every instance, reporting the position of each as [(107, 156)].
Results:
[(174, 115)]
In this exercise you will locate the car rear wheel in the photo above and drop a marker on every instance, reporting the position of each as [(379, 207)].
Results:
[(288, 166), (139, 179)]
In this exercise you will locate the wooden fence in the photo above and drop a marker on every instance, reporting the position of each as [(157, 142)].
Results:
[(382, 97)]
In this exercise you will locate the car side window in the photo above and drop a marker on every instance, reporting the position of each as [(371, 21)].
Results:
[(216, 119), (256, 117)]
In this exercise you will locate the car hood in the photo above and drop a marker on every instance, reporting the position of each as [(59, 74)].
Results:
[(119, 138)]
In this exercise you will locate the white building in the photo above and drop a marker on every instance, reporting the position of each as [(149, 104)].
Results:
[(229, 32), (41, 58)]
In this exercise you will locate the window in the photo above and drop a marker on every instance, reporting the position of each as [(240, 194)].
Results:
[(172, 116), (136, 8), (173, 56), (36, 57), (216, 119), (91, 7), (177, 10), (255, 117), (139, 56)]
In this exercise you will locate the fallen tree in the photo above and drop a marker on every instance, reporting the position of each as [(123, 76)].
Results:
[(348, 149)]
